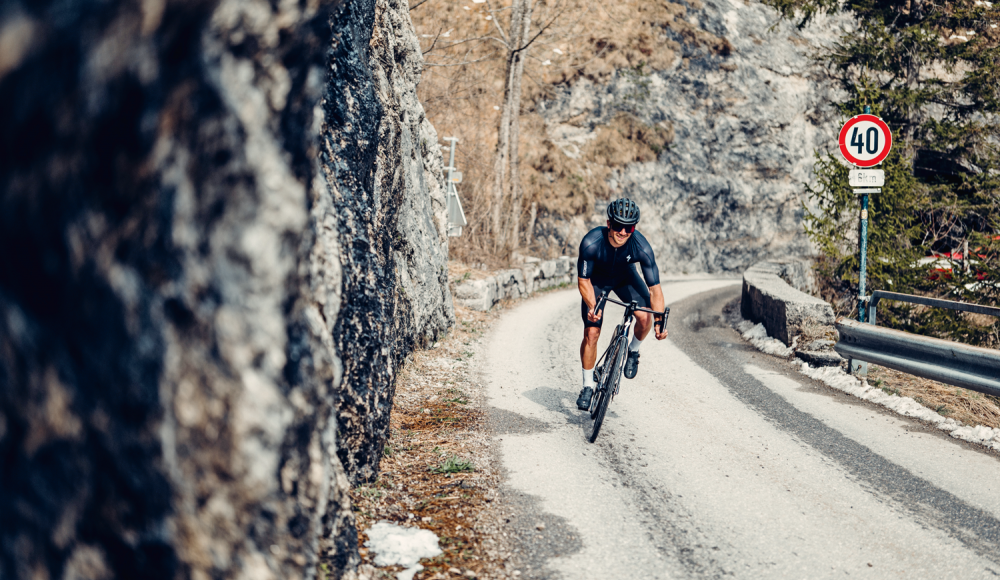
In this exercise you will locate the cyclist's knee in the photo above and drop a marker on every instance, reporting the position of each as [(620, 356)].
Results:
[(591, 334)]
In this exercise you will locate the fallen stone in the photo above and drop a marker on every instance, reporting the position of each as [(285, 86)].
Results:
[(821, 344), (819, 358)]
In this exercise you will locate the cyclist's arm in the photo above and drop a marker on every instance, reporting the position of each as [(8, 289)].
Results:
[(656, 303), (587, 292), (650, 271)]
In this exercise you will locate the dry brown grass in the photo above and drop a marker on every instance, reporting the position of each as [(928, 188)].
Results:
[(463, 83), (437, 416), (967, 407), (572, 185)]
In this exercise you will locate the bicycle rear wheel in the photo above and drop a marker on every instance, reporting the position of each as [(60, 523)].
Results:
[(604, 391), (598, 381)]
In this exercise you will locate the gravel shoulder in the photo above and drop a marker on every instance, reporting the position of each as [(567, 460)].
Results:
[(440, 470)]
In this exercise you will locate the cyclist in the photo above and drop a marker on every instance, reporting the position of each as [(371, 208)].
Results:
[(606, 263)]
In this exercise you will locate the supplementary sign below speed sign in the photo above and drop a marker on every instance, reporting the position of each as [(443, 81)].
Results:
[(865, 140)]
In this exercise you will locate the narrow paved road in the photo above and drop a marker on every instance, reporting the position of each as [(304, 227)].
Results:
[(718, 460)]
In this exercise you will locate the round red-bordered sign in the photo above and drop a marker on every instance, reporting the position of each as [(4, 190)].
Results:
[(865, 140)]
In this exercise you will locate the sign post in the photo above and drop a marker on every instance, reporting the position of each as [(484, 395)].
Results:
[(456, 216), (865, 141)]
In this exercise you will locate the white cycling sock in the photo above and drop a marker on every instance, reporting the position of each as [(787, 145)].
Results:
[(636, 343), (588, 378)]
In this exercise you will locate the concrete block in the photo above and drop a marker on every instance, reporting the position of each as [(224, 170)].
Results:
[(769, 299), (515, 283), (511, 284), (477, 294)]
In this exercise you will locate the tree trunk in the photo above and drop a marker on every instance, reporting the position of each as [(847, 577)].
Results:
[(503, 130), (529, 233), (513, 235)]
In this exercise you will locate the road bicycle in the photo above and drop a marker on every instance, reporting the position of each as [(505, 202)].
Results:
[(608, 372)]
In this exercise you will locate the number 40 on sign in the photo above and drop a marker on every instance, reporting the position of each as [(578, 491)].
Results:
[(865, 140)]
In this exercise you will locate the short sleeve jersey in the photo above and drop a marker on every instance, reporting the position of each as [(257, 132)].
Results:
[(603, 263)]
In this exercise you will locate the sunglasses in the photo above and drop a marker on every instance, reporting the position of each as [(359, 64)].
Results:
[(615, 226)]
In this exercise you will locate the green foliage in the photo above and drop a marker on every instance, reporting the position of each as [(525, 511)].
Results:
[(453, 464), (932, 72), (893, 231)]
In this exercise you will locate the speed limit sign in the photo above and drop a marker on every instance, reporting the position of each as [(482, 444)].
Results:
[(865, 140)]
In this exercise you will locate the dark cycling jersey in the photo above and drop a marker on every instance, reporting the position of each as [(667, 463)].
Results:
[(603, 263), (610, 269)]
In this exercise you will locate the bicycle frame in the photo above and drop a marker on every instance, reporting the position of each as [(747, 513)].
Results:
[(602, 397), (628, 320)]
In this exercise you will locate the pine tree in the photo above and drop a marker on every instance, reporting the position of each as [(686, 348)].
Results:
[(932, 72)]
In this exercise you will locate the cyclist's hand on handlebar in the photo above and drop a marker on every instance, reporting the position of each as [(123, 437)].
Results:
[(660, 327), (594, 316)]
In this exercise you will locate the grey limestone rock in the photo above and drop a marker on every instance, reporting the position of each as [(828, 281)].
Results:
[(728, 191), (383, 161), (222, 225)]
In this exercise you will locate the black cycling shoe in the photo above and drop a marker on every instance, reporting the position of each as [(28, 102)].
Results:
[(583, 401), (632, 364)]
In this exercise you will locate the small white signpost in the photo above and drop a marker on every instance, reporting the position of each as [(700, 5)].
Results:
[(867, 178), (865, 141), (456, 215)]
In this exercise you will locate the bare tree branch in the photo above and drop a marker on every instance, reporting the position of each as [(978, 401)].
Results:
[(427, 64), (493, 12), (458, 42), (436, 37), (540, 32)]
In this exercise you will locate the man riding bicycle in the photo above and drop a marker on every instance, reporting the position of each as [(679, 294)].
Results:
[(607, 255)]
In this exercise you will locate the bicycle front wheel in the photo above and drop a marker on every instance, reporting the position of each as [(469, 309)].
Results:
[(606, 388)]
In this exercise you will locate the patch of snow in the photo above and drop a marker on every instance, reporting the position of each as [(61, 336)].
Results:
[(837, 378), (396, 545), (757, 335)]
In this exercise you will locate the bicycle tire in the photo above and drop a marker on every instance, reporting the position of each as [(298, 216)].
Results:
[(606, 387), (598, 381)]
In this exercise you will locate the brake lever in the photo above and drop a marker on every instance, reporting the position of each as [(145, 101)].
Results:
[(662, 322), (600, 303)]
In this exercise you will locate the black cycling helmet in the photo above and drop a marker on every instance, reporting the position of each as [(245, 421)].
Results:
[(623, 211)]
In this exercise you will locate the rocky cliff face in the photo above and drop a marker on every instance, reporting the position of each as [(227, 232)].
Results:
[(728, 190), (222, 226), (389, 196)]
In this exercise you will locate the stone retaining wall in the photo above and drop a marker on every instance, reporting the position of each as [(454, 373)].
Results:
[(515, 283), (774, 293)]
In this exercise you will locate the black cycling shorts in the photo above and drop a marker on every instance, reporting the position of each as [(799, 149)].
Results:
[(628, 287)]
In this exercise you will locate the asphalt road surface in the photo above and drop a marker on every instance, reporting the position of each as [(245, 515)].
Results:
[(720, 461)]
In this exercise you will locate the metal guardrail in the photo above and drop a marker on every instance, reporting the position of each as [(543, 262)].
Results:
[(941, 360), (954, 363), (935, 302)]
